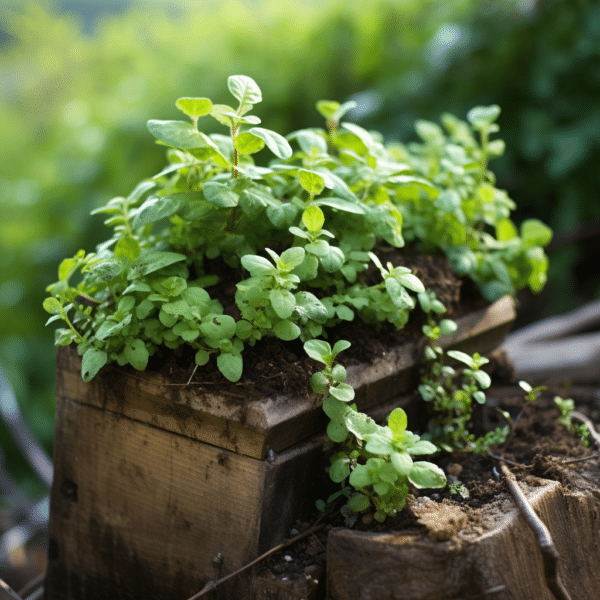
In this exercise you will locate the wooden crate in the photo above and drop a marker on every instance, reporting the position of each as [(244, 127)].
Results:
[(153, 480)]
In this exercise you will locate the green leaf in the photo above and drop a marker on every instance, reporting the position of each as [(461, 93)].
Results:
[(310, 141), (128, 248), (92, 361), (342, 392), (397, 421), (339, 470), (136, 354), (53, 306), (292, 257), (535, 233), (282, 215), (155, 208), (337, 431), (402, 463), (334, 111), (462, 357), (481, 117), (344, 312), (340, 346), (483, 379), (109, 328), (224, 114), (421, 447), (286, 330), (318, 350), (334, 409), (67, 268), (340, 204), (219, 194), (358, 503), (313, 218), (244, 89), (202, 357), (231, 365), (360, 476), (194, 107), (319, 384), (378, 445), (219, 327), (180, 134), (248, 143), (410, 281), (427, 475), (257, 265), (505, 230), (276, 143), (283, 303), (312, 182), (333, 260), (153, 260)]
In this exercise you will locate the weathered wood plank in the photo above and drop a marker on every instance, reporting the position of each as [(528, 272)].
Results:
[(139, 512), (253, 427)]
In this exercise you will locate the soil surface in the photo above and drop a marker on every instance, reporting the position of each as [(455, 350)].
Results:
[(273, 366), (540, 447)]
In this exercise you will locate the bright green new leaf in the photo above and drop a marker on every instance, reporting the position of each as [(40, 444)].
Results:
[(481, 117), (535, 233), (313, 219), (312, 182), (248, 143), (461, 356), (67, 268), (194, 107), (52, 305), (136, 354), (397, 421), (92, 361), (244, 89), (231, 365)]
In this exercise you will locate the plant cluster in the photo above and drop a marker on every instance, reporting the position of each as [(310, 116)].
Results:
[(376, 460), (566, 407), (453, 404), (297, 237)]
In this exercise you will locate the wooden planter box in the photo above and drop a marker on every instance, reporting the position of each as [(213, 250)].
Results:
[(153, 481)]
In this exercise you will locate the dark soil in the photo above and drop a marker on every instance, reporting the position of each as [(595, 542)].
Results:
[(275, 367), (539, 446)]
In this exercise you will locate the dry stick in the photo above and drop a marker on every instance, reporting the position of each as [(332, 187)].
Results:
[(4, 586), (549, 552), (211, 585), (32, 585)]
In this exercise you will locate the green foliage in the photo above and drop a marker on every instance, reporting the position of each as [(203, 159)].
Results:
[(137, 292), (566, 407), (376, 460), (469, 219), (453, 404)]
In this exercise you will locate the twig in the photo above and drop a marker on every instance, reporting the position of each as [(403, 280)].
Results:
[(9, 590), (32, 585), (549, 553), (576, 460), (211, 585), (501, 459)]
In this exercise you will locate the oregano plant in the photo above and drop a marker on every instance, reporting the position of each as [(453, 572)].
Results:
[(295, 235)]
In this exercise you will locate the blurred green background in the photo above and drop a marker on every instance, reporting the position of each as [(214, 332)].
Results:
[(79, 79)]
